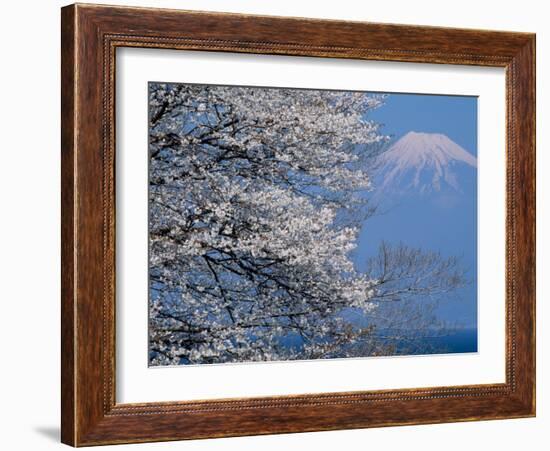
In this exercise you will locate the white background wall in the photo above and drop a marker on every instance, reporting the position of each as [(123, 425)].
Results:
[(29, 225)]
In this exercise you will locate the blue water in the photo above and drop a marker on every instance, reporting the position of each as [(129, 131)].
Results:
[(442, 342), (460, 341)]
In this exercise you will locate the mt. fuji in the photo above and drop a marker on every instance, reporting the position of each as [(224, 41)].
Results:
[(425, 163)]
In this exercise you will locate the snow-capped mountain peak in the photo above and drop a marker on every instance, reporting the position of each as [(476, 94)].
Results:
[(423, 162)]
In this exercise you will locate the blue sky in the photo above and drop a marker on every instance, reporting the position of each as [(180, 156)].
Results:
[(454, 116), (452, 231)]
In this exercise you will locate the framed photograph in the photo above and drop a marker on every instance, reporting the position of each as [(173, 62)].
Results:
[(278, 225)]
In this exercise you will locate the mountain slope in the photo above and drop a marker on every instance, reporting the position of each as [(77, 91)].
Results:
[(425, 162)]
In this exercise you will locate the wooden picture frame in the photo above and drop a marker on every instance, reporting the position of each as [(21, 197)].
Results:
[(90, 36)]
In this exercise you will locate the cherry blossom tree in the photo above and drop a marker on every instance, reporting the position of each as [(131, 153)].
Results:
[(255, 200)]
